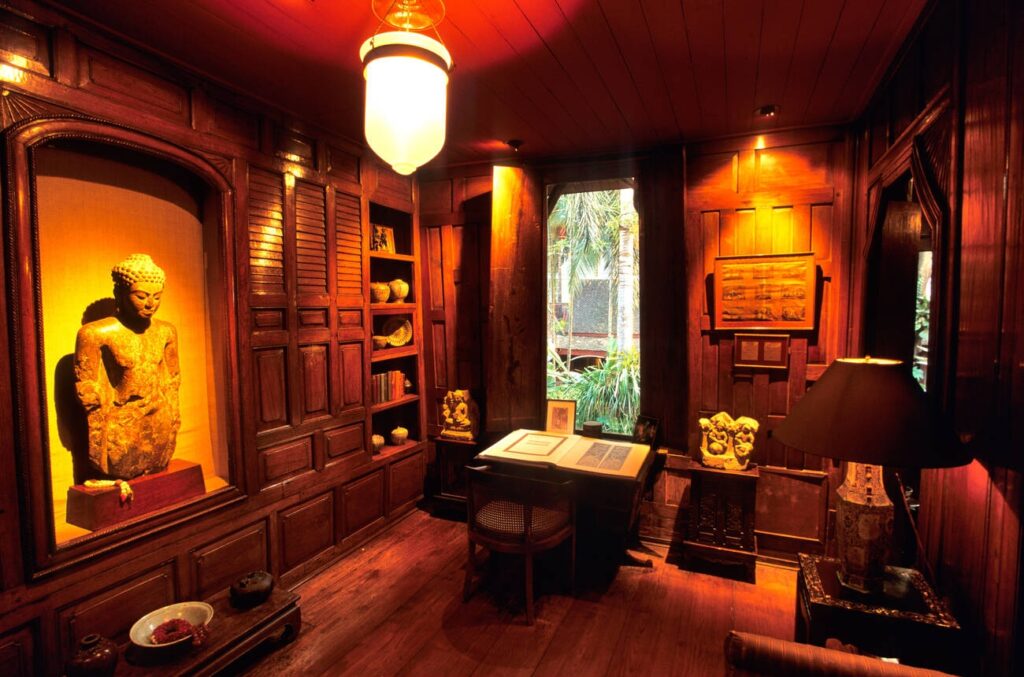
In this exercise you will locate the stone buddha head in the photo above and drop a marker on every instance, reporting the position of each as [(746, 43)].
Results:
[(138, 287)]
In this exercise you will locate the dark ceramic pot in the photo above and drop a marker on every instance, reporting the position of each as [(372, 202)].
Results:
[(96, 657), (251, 589)]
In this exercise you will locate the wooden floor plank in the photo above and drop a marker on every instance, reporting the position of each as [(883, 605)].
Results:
[(394, 607)]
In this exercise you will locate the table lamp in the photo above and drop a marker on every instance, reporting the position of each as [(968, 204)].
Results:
[(869, 412)]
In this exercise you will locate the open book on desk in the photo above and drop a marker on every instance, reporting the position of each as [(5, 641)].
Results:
[(611, 458)]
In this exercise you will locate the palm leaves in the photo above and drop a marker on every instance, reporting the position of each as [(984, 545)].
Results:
[(586, 231)]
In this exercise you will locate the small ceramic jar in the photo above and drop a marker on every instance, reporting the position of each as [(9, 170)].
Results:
[(399, 435), (96, 657), (251, 589), (380, 291), (377, 441), (380, 342), (399, 290)]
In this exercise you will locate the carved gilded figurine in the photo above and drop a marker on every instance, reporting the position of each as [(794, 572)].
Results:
[(459, 418), (127, 378), (727, 443)]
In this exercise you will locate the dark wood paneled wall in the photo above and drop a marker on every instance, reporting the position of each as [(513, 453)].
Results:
[(972, 55), (769, 194), (303, 487)]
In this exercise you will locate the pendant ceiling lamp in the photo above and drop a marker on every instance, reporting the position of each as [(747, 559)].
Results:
[(406, 84)]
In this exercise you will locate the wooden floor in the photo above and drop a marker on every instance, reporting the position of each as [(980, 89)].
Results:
[(395, 608)]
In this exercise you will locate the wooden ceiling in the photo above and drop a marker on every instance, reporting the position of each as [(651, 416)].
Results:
[(568, 77)]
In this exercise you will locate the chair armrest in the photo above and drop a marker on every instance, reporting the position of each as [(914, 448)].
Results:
[(750, 654)]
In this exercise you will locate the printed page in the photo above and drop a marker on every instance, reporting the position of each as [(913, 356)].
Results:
[(614, 458), (531, 447)]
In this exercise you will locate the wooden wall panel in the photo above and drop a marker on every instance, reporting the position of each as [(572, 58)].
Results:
[(111, 613), (361, 504), (266, 232), (768, 195), (405, 483), (351, 366), (346, 447), (110, 77), (316, 400), (271, 373), (515, 387), (217, 565), (310, 239), (286, 460), (17, 653), (349, 250), (969, 518), (307, 531)]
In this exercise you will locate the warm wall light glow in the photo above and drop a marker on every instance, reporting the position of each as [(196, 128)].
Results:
[(406, 97), (9, 73), (759, 143)]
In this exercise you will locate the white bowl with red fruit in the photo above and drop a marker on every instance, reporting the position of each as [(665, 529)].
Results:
[(172, 625)]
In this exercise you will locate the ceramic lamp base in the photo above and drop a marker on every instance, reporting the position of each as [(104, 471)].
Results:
[(864, 532)]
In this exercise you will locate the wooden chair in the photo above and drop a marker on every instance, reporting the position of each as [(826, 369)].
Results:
[(519, 515)]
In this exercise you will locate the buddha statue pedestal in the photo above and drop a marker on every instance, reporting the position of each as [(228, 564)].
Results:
[(97, 507)]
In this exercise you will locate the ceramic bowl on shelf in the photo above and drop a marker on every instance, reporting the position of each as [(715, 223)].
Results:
[(399, 435), (398, 331), (399, 289), (196, 613), (380, 292), (380, 342)]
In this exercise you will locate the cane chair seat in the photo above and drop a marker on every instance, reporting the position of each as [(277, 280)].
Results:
[(519, 515)]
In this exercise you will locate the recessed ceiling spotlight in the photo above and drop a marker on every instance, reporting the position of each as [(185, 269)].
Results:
[(770, 110)]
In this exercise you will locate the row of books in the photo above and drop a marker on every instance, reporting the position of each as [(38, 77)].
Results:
[(387, 386)]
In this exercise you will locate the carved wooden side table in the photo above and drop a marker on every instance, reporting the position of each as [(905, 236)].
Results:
[(449, 486), (721, 520), (906, 621)]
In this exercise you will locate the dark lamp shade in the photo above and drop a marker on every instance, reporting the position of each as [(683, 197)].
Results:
[(871, 410)]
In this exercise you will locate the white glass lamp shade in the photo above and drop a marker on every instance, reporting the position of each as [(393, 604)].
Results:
[(406, 97)]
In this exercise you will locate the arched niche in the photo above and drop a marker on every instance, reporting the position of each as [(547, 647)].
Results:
[(81, 194)]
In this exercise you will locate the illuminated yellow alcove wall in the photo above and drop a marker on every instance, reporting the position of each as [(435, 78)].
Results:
[(92, 212)]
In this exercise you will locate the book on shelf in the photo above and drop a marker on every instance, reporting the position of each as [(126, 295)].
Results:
[(388, 386), (612, 458)]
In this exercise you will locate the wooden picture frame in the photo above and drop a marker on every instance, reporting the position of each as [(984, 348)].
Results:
[(383, 239), (561, 417), (645, 431), (771, 291), (761, 351)]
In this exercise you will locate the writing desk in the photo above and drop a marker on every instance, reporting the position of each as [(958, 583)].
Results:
[(609, 480)]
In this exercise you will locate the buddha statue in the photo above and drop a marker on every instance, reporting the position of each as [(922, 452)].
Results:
[(459, 416), (127, 378)]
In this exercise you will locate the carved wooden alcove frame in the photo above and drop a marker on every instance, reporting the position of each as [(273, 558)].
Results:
[(24, 296), (926, 151)]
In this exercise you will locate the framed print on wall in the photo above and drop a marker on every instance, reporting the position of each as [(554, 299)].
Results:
[(561, 417), (761, 351), (772, 291)]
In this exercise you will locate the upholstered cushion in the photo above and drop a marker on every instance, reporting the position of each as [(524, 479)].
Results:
[(749, 654), (505, 519)]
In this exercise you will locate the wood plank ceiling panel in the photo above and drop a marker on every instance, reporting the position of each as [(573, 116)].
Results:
[(879, 48), (548, 18), (569, 77), (743, 21), (672, 47), (779, 28), (633, 38), (706, 34), (855, 25), (818, 23), (536, 63), (589, 24), (504, 66)]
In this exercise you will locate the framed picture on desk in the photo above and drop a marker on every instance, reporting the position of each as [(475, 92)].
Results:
[(561, 417), (645, 431)]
